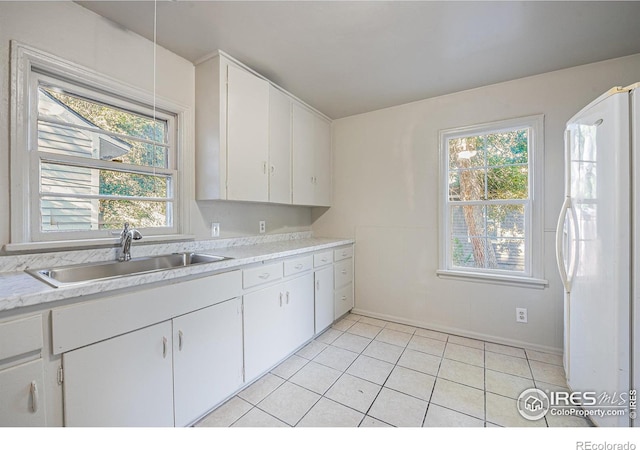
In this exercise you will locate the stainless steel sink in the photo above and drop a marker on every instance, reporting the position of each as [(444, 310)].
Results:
[(86, 273)]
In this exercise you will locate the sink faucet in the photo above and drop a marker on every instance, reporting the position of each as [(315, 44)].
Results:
[(126, 236)]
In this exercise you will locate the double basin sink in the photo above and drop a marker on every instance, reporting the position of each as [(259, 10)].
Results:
[(86, 273)]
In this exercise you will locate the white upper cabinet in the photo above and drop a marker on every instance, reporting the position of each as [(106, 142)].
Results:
[(279, 146), (255, 142), (311, 158), (247, 136)]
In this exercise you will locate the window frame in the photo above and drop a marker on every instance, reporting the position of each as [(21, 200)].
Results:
[(534, 237), (28, 66)]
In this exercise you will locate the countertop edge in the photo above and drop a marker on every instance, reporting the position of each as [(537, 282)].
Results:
[(32, 292)]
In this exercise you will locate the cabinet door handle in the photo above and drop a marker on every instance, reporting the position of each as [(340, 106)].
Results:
[(280, 298), (34, 396), (318, 285), (344, 298), (343, 271), (287, 297), (164, 346), (264, 167), (264, 276), (273, 168), (298, 266), (180, 339)]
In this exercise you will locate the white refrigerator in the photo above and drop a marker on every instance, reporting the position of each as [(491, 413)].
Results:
[(597, 248)]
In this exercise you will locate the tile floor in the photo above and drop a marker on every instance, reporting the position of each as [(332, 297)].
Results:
[(365, 372)]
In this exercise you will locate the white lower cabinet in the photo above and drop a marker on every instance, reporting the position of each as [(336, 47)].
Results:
[(207, 359), (324, 314), (123, 381), (277, 320), (22, 395)]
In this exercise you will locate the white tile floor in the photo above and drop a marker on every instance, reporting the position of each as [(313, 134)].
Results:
[(366, 372)]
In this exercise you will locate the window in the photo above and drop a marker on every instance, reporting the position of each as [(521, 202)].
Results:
[(91, 154), (491, 202)]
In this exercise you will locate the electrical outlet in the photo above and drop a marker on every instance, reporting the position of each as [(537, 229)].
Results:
[(215, 229), (263, 226), (521, 315)]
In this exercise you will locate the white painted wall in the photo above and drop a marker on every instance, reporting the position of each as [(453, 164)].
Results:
[(70, 31), (386, 197)]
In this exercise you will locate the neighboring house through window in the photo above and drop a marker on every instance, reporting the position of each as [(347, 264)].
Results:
[(491, 206)]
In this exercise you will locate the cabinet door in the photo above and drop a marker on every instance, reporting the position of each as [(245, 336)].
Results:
[(279, 146), (303, 156), (343, 300), (265, 333), (323, 298), (299, 311), (247, 136), (22, 395), (322, 161), (207, 359), (123, 381)]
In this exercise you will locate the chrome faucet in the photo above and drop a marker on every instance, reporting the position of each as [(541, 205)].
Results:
[(126, 237)]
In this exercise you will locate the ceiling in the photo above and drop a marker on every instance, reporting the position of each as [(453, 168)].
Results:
[(346, 57)]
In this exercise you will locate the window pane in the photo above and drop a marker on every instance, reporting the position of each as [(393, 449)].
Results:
[(468, 220), (509, 147), (508, 183), (66, 179), (506, 221), (462, 252), (63, 106), (466, 152), (113, 213), (60, 139), (509, 254), (467, 185), (73, 214)]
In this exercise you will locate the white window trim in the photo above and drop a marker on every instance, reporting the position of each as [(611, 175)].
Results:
[(23, 60), (535, 238)]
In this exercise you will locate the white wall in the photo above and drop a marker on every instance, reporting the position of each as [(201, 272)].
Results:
[(70, 31), (386, 197)]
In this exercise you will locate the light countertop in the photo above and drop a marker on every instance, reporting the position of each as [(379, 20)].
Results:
[(19, 289)]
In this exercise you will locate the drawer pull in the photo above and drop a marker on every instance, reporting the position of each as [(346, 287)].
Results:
[(344, 298), (264, 276), (164, 347), (344, 253), (323, 259), (180, 339), (34, 396), (343, 271), (298, 266)]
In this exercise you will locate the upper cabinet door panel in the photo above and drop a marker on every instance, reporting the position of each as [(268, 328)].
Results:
[(279, 146), (303, 156), (247, 136)]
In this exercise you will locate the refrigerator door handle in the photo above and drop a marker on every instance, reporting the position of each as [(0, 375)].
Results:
[(560, 244), (574, 253)]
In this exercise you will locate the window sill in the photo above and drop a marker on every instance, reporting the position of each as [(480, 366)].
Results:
[(505, 280), (27, 247)]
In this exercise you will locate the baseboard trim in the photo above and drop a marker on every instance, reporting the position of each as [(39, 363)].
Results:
[(459, 332)]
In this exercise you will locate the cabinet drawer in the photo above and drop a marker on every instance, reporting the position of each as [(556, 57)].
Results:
[(343, 273), (261, 274), (322, 259), (343, 253), (298, 265), (22, 395), (21, 336), (343, 301)]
